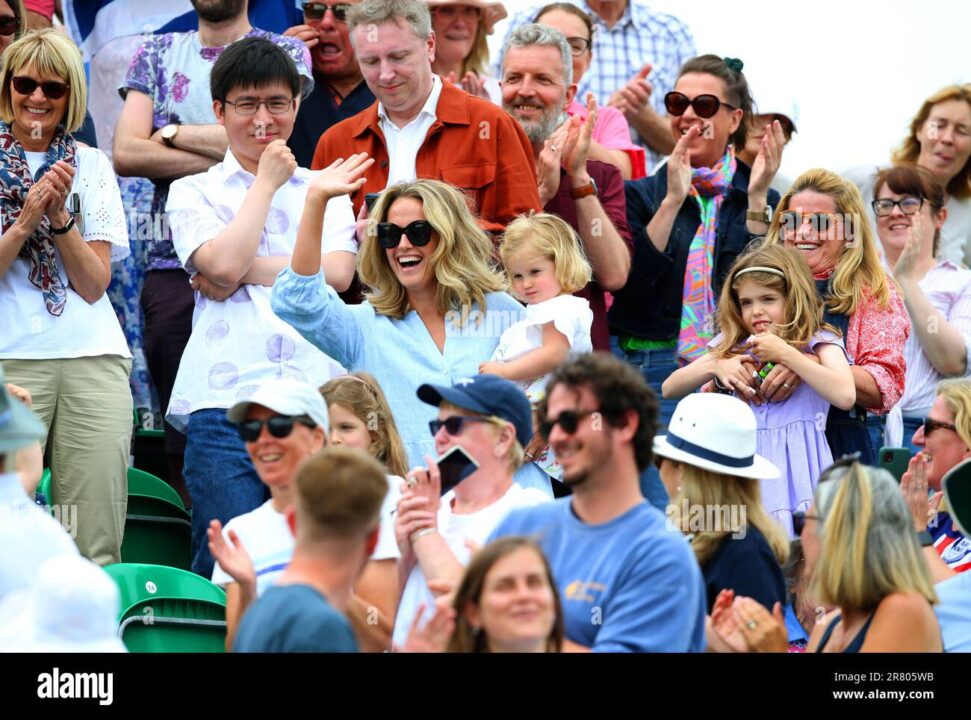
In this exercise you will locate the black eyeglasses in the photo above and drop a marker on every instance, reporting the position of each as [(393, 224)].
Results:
[(792, 220), (52, 89), (274, 106), (280, 426), (419, 233), (453, 425), (799, 521), (908, 206), (930, 425), (9, 24), (705, 105), (569, 420), (578, 45), (316, 11)]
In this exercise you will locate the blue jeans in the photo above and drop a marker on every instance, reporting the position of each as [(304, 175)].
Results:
[(220, 478), (655, 366), (877, 423)]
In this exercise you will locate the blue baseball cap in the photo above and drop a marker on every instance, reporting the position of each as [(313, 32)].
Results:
[(489, 395)]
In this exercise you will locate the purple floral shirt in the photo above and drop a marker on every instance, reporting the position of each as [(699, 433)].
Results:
[(173, 69)]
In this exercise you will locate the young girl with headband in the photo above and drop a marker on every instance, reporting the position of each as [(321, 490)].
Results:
[(769, 313)]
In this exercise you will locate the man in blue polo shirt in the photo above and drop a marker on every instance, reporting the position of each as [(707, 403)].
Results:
[(627, 582)]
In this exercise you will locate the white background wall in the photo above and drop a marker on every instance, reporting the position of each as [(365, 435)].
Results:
[(859, 69)]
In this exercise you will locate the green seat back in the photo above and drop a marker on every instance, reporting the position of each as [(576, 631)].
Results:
[(144, 483)]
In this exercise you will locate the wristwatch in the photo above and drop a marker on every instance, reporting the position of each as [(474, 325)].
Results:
[(168, 134), (584, 190), (924, 538), (764, 215)]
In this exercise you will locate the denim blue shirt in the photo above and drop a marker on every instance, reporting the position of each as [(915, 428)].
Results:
[(401, 354)]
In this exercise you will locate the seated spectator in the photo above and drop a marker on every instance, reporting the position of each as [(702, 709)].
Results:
[(711, 471), (865, 561), (491, 420), (234, 228), (424, 128), (939, 141), (283, 423), (336, 522), (62, 226), (611, 141), (628, 584), (910, 217), (955, 593), (339, 88), (461, 49)]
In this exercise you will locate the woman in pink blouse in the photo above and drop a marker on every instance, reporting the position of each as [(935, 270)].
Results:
[(910, 210), (822, 216)]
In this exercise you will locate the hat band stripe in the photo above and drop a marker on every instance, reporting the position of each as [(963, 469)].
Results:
[(706, 454)]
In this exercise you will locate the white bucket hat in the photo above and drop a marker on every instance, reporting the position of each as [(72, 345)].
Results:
[(715, 432)]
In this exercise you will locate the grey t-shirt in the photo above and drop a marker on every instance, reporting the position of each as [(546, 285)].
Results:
[(294, 619)]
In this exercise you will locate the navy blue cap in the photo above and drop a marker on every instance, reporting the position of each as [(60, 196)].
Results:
[(489, 395)]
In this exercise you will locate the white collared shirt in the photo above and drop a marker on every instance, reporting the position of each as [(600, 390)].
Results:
[(240, 343), (404, 143)]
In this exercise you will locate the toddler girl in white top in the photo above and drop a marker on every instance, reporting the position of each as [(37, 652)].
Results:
[(545, 264)]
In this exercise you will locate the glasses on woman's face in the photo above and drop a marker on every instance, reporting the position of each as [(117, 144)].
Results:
[(274, 106), (792, 220), (9, 25), (705, 105), (419, 233), (52, 89), (453, 425), (279, 426), (314, 12), (930, 425), (578, 45), (908, 205)]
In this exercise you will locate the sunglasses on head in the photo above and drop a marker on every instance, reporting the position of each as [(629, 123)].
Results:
[(799, 521), (419, 233), (453, 425), (280, 426), (52, 89), (569, 420), (930, 425), (9, 25), (792, 220), (316, 11), (705, 105), (846, 461)]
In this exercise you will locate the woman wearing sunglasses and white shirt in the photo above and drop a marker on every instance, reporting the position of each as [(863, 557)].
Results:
[(435, 309), (692, 221)]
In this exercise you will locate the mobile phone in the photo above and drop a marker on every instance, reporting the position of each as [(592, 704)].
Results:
[(454, 466), (895, 461), (370, 199)]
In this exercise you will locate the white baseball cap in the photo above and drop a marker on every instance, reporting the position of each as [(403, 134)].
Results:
[(715, 432), (287, 397)]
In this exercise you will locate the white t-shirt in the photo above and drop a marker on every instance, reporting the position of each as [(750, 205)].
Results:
[(455, 530), (569, 314), (239, 343), (27, 330)]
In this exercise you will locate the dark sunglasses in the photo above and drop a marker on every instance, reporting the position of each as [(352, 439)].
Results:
[(280, 426), (930, 425), (799, 521), (9, 25), (316, 11), (791, 220), (419, 233), (453, 425), (52, 90), (569, 420), (705, 105)]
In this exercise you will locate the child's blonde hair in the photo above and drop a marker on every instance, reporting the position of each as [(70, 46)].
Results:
[(787, 272), (550, 237), (361, 394)]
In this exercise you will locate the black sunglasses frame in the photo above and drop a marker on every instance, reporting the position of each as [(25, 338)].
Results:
[(419, 234), (52, 89), (9, 25), (792, 220), (569, 420), (340, 11), (453, 425), (279, 426), (677, 104), (896, 203)]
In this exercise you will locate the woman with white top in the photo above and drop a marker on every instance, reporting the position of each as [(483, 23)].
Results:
[(62, 227)]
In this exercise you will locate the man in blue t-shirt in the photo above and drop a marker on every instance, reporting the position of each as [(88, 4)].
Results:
[(335, 519), (628, 583)]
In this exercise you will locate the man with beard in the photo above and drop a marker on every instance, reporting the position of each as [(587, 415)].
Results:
[(339, 88), (537, 86), (167, 130), (628, 582)]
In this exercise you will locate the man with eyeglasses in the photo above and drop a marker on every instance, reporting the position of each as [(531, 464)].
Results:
[(588, 194), (491, 419), (167, 130), (637, 53), (234, 228), (339, 88), (422, 127), (627, 583)]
